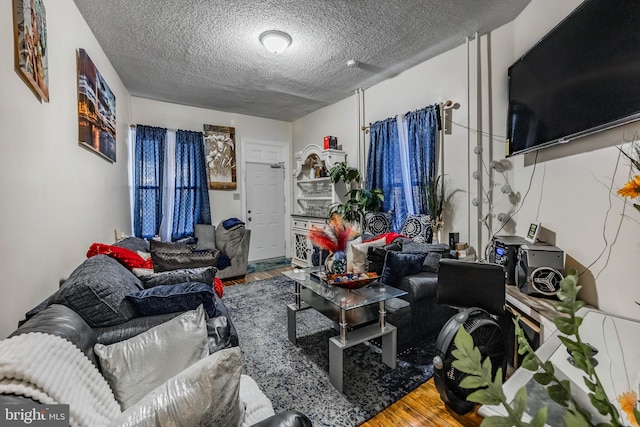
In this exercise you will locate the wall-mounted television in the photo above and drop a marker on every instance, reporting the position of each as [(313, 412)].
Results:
[(582, 77)]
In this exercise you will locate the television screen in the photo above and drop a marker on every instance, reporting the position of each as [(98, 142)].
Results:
[(582, 77)]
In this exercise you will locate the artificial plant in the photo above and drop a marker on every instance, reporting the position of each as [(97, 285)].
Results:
[(359, 200), (436, 198), (488, 389)]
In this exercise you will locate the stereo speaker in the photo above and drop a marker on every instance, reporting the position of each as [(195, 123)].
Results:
[(539, 270)]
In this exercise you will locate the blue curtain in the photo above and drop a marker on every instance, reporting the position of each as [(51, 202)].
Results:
[(192, 192), (148, 175), (422, 126), (384, 170)]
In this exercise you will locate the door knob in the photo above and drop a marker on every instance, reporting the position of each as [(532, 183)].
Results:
[(249, 219)]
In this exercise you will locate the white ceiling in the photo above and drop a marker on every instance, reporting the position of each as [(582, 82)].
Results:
[(206, 53)]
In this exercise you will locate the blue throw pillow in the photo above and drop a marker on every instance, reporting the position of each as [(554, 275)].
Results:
[(171, 298), (398, 265), (231, 222)]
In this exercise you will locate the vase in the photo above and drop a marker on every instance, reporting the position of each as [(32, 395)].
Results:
[(336, 263)]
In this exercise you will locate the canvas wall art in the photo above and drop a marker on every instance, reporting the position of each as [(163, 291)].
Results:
[(220, 151), (96, 110), (30, 34)]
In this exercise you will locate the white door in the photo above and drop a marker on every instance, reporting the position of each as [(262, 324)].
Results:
[(265, 210)]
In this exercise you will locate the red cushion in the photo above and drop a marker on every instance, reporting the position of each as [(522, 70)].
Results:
[(128, 258), (391, 236), (217, 286)]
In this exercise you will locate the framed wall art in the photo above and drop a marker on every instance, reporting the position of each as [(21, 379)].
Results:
[(96, 110), (220, 151), (31, 48)]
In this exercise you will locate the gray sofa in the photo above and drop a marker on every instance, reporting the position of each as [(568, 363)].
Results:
[(232, 242), (93, 312), (413, 267)]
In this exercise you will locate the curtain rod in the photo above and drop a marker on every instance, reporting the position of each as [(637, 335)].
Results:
[(174, 130), (445, 105)]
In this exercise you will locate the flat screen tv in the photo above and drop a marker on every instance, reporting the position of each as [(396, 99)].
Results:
[(582, 77)]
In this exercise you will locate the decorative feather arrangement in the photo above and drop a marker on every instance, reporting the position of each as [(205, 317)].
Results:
[(334, 235)]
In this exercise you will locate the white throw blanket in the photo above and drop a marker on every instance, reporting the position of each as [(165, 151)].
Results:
[(52, 370)]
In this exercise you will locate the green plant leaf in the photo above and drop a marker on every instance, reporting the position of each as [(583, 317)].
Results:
[(564, 325), (473, 381), (601, 407), (543, 378), (498, 421), (574, 419), (483, 396), (570, 344), (558, 394), (540, 418), (530, 362), (519, 403)]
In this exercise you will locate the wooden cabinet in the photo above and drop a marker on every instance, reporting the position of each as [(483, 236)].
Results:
[(314, 193)]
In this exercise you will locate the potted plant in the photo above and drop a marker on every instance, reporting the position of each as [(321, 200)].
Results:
[(488, 389), (436, 199), (359, 200)]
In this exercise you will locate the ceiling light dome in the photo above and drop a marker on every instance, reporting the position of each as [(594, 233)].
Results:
[(275, 41)]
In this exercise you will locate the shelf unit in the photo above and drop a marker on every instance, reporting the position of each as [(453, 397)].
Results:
[(314, 193)]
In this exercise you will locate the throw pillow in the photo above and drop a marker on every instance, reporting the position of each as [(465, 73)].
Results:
[(349, 252), (223, 261), (133, 244), (206, 235), (360, 254), (173, 277), (138, 365), (163, 261), (228, 241), (377, 223), (171, 298), (97, 291), (128, 258), (170, 247), (418, 228), (398, 265), (204, 394), (377, 254), (435, 252)]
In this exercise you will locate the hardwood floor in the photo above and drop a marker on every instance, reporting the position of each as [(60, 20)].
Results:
[(421, 407)]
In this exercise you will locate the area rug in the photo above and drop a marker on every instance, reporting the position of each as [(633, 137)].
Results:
[(268, 264), (296, 376)]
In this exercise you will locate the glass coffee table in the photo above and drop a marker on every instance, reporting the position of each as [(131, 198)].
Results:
[(358, 313)]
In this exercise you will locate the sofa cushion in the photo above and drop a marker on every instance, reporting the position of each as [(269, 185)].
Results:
[(136, 244), (204, 394), (165, 261), (398, 265), (138, 365), (376, 223), (170, 247), (377, 254), (420, 286), (418, 228), (171, 298), (435, 252), (229, 240), (206, 235), (173, 277), (360, 254), (97, 291)]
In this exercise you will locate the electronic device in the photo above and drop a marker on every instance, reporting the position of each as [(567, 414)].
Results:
[(532, 234), (539, 270), (453, 239), (566, 86), (504, 251)]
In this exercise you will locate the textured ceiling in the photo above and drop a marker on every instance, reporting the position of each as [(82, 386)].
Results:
[(206, 53)]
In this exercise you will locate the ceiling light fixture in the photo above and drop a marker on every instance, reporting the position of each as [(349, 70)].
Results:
[(275, 41)]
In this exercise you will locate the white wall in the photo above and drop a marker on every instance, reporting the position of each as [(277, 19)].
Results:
[(572, 192), (58, 197), (173, 116)]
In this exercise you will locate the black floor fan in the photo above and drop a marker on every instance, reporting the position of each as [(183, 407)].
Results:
[(479, 287)]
